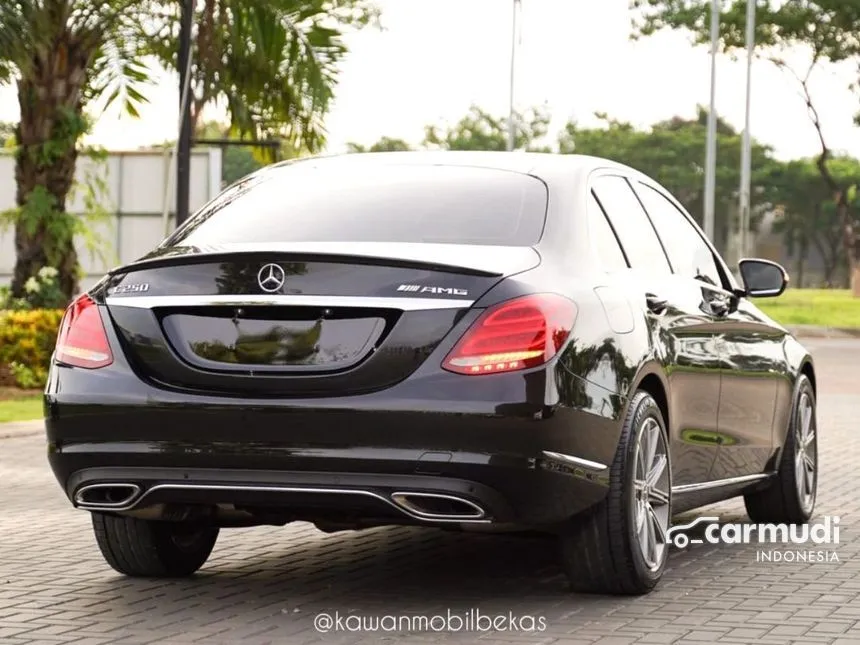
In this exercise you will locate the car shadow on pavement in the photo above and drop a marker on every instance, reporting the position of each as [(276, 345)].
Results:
[(392, 570)]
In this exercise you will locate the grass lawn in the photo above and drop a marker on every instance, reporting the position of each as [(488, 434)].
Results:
[(20, 405), (821, 307)]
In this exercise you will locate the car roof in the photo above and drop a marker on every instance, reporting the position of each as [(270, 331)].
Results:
[(539, 164)]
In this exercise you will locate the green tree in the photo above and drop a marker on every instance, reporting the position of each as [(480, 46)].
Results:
[(385, 144), (236, 161), (672, 152), (480, 130), (826, 28), (7, 135), (61, 54), (242, 158), (273, 63), (805, 217)]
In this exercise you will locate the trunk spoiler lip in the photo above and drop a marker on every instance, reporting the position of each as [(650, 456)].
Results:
[(373, 254), (366, 302)]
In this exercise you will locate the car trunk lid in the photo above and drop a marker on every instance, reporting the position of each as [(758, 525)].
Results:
[(298, 319)]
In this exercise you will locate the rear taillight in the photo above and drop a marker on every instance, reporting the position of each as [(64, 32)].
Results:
[(82, 341), (514, 335)]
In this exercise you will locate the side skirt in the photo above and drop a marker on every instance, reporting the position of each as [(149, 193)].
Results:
[(690, 496)]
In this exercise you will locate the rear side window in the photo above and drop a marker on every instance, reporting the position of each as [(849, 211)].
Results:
[(603, 238), (687, 250), (632, 225), (334, 201)]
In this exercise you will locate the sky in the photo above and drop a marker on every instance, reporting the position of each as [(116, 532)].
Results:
[(433, 59)]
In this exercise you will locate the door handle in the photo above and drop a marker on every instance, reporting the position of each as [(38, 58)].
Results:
[(655, 303)]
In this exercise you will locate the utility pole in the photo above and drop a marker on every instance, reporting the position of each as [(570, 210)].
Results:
[(711, 148), (183, 152), (511, 123), (746, 152)]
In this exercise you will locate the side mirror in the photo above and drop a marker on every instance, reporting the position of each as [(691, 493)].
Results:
[(763, 278)]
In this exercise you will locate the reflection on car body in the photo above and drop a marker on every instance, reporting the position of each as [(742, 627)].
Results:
[(469, 340)]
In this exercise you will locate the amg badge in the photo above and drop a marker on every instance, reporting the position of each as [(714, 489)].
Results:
[(417, 288)]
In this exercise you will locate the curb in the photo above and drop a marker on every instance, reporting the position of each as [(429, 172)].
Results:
[(18, 429), (812, 331)]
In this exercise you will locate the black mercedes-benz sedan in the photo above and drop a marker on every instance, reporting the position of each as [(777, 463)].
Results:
[(471, 341)]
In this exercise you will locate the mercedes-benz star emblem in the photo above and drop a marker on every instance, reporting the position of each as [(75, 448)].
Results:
[(271, 278)]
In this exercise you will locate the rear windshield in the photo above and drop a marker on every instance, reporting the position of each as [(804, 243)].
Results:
[(379, 203)]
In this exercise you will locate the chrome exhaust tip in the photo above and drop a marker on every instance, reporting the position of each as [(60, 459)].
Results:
[(114, 496), (436, 506)]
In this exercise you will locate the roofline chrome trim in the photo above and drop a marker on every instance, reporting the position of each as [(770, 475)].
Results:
[(404, 304)]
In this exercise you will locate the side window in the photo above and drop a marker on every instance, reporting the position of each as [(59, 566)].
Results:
[(687, 250), (603, 238), (632, 225)]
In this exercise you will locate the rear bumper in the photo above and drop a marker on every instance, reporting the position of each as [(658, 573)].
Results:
[(347, 456), (297, 495)]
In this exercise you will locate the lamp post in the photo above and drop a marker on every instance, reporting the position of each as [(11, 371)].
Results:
[(711, 147), (511, 124), (746, 151), (183, 148)]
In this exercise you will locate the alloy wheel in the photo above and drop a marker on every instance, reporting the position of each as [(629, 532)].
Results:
[(805, 452), (651, 493)]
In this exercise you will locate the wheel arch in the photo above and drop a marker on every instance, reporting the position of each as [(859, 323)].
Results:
[(651, 379), (805, 367), (808, 370)]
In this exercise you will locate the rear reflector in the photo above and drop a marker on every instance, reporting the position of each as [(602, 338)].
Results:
[(514, 335), (82, 341)]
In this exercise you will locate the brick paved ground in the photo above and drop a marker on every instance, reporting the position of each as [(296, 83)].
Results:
[(266, 584)]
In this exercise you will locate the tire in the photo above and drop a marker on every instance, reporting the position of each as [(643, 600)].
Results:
[(783, 501), (153, 549), (602, 552)]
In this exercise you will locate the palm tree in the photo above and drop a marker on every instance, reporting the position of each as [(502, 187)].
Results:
[(61, 53), (273, 63)]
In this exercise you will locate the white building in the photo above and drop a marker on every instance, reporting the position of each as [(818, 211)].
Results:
[(132, 188)]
